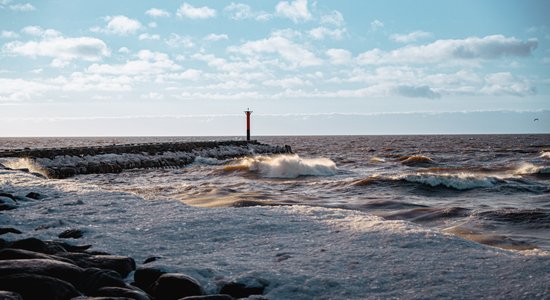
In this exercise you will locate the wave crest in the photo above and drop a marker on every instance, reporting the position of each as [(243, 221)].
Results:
[(286, 166), (545, 154), (416, 160)]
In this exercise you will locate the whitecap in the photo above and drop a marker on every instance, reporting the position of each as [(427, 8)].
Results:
[(288, 166)]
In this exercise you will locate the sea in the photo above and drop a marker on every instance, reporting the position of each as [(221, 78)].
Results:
[(491, 189)]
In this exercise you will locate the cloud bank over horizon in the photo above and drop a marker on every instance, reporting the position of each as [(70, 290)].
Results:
[(284, 56)]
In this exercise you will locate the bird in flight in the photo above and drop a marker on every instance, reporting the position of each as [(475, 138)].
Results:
[(536, 119)]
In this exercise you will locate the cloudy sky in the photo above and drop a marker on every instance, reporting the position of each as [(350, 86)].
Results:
[(130, 67)]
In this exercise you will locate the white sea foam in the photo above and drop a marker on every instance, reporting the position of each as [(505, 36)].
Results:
[(289, 166), (545, 154), (459, 181)]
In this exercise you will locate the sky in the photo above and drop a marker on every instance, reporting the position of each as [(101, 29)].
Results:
[(140, 68)]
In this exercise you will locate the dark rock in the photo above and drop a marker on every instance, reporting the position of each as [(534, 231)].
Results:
[(209, 297), (36, 245), (240, 290), (100, 298), (74, 248), (173, 286), (144, 278), (38, 287), (121, 292), (121, 264), (12, 197), (7, 203), (33, 195), (94, 278), (4, 230), (45, 267), (5, 295), (10, 253), (151, 259), (71, 234)]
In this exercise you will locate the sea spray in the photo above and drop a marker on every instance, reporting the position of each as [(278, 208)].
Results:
[(286, 166)]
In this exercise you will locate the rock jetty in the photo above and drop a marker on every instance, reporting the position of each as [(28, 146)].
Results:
[(61, 163)]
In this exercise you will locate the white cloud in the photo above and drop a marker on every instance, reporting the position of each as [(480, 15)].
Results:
[(61, 49), (149, 37), (293, 53), (335, 18), (505, 83), (20, 89), (296, 10), (147, 62), (375, 25), (215, 37), (22, 7), (37, 71), (176, 41), (410, 37), (6, 34), (81, 82), (189, 11), (423, 91), (285, 83), (123, 50), (157, 13), (339, 56), (444, 51), (119, 25), (189, 74), (320, 33), (40, 32), (240, 11), (152, 24)]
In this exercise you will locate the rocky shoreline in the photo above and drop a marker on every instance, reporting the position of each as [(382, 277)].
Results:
[(32, 268), (59, 163)]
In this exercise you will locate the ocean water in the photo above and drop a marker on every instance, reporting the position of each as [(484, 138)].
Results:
[(492, 189)]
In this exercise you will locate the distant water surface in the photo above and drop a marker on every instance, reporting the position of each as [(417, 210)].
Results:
[(493, 189)]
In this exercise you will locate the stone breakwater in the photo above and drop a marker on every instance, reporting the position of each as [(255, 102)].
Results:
[(61, 163)]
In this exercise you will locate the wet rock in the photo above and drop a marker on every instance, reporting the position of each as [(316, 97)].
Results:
[(209, 297), (44, 267), (240, 290), (121, 292), (100, 298), (7, 203), (71, 234), (36, 245), (7, 195), (94, 279), (151, 259), (38, 287), (173, 286), (74, 248), (121, 264), (4, 230), (34, 195), (10, 253), (5, 295), (145, 277)]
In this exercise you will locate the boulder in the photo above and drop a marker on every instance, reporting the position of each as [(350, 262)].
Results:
[(71, 234), (121, 264), (34, 195), (38, 287), (4, 230), (240, 290), (6, 295), (121, 292), (209, 297), (145, 277), (10, 253), (94, 279), (36, 245), (173, 286), (7, 203), (44, 267), (151, 259)]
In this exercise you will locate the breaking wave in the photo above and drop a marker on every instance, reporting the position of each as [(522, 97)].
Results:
[(416, 160), (285, 166), (545, 154), (459, 181)]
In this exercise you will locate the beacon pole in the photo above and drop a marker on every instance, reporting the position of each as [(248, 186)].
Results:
[(248, 112)]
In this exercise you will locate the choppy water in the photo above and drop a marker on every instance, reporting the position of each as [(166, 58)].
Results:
[(494, 189)]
